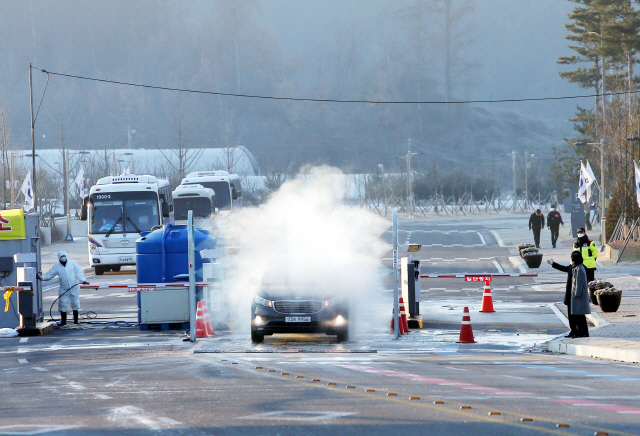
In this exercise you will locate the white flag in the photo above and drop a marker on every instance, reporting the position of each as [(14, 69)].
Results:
[(81, 182), (590, 172), (585, 183), (637, 182), (27, 190)]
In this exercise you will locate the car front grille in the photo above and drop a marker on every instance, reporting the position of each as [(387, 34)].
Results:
[(294, 306)]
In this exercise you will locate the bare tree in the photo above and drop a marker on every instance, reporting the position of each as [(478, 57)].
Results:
[(456, 35), (186, 157), (227, 141), (5, 146)]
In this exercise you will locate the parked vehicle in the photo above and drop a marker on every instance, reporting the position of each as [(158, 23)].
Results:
[(118, 209)]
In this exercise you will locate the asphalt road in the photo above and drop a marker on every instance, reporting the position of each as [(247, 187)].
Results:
[(117, 380)]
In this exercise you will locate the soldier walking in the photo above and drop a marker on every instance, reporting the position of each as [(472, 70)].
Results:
[(554, 220), (536, 223)]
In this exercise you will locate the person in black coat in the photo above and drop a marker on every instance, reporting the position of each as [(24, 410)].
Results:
[(554, 219), (577, 323), (536, 223)]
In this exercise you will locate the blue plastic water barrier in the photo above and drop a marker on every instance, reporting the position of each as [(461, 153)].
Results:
[(161, 255)]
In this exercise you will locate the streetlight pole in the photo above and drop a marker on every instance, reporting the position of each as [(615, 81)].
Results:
[(515, 194), (409, 185), (13, 183), (33, 141)]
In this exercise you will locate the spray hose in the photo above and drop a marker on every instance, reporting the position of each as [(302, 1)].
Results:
[(86, 315)]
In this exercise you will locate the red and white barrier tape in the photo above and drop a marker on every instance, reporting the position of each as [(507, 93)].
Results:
[(462, 276), (135, 287)]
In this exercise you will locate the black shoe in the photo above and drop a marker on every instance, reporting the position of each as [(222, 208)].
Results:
[(63, 318), (554, 245), (570, 335), (75, 317)]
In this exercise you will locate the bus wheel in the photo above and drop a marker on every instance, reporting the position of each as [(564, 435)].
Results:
[(99, 270)]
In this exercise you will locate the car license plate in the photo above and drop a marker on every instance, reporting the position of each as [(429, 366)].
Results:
[(297, 319), (125, 259)]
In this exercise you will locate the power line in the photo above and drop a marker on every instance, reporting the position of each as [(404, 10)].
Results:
[(331, 100)]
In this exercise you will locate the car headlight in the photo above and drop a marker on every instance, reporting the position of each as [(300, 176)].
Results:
[(334, 301), (93, 249), (263, 301)]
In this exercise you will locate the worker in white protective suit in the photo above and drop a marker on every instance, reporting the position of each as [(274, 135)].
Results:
[(70, 274)]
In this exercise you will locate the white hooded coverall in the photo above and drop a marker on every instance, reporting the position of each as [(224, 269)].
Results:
[(69, 276)]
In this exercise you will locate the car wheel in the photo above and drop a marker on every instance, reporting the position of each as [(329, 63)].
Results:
[(99, 270), (256, 337), (343, 336), (115, 268)]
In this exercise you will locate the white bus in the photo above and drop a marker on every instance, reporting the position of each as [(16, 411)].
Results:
[(201, 200), (226, 186), (118, 209)]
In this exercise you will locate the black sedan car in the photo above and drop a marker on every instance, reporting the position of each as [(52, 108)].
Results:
[(278, 309)]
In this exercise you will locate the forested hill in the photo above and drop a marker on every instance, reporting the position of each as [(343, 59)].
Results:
[(379, 50)]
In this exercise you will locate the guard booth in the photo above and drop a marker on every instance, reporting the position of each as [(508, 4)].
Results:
[(19, 262)]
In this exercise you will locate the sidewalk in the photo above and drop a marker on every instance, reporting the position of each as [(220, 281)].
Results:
[(76, 250), (614, 336)]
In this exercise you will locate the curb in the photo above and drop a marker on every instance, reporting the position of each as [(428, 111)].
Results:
[(577, 349), (518, 263), (498, 238)]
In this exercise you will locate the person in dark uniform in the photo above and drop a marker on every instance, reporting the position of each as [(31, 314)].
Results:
[(536, 223), (587, 248), (576, 297), (554, 219)]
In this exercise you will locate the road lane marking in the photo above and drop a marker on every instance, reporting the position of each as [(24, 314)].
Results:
[(456, 411), (513, 376), (39, 368), (103, 396), (582, 373), (23, 361), (498, 267), (456, 369), (77, 386), (23, 340), (580, 387), (59, 377), (484, 242), (601, 406), (291, 415), (436, 381)]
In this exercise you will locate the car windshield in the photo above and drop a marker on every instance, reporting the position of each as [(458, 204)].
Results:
[(200, 206), (124, 212), (223, 193)]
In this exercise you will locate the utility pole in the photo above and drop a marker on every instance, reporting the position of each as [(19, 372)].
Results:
[(13, 183), (69, 237), (526, 179), (409, 185), (115, 172), (33, 142), (515, 195)]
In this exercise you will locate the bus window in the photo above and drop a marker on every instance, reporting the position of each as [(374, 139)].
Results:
[(200, 206)]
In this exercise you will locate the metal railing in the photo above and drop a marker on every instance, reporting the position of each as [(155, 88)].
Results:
[(464, 204)]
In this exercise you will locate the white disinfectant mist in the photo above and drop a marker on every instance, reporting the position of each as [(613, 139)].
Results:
[(306, 237)]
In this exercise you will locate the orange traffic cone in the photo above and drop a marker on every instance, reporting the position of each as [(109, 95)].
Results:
[(403, 316), (401, 326), (207, 320), (201, 329), (487, 301), (466, 331)]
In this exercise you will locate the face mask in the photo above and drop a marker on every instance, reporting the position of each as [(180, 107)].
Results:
[(63, 259), (553, 209), (580, 235)]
